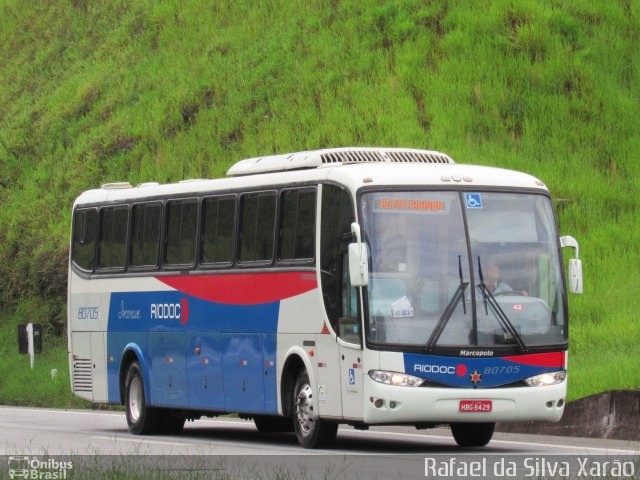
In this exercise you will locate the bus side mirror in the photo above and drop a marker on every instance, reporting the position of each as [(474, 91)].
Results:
[(575, 265), (358, 260), (575, 275)]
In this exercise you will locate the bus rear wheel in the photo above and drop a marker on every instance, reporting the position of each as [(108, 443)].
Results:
[(142, 420), (312, 432), (472, 434)]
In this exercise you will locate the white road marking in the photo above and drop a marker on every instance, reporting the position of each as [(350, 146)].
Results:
[(56, 411), (142, 441)]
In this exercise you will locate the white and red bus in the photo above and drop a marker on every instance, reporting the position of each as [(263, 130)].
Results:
[(361, 286)]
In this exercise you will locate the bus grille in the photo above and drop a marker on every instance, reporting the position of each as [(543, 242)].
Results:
[(385, 156), (82, 377)]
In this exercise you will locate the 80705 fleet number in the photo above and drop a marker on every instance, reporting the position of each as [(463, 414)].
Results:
[(501, 370)]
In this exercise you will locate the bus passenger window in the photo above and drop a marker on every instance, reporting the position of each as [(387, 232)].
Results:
[(112, 248), (84, 238), (182, 228), (297, 225), (258, 220), (218, 229), (145, 236)]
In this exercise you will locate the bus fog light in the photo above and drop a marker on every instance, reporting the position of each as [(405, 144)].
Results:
[(546, 379), (378, 403), (395, 378)]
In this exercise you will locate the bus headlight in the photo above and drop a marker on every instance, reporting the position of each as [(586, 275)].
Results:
[(395, 378), (546, 379)]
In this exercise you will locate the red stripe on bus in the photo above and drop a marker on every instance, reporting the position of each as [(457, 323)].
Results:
[(243, 288), (553, 359)]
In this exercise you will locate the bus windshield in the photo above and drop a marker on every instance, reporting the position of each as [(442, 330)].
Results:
[(436, 283)]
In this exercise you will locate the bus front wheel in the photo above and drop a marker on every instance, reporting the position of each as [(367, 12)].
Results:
[(142, 420), (472, 434), (311, 431)]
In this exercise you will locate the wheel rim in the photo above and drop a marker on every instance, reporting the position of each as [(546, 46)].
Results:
[(304, 410), (136, 399)]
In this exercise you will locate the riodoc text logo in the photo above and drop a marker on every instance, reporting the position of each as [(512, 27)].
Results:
[(38, 469), (171, 311)]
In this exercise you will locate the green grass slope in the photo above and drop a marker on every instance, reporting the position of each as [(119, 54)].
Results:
[(93, 92)]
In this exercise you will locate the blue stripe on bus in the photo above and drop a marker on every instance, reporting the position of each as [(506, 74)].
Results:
[(200, 354), (477, 372)]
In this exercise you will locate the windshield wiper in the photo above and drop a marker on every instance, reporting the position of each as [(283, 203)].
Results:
[(448, 312), (504, 321)]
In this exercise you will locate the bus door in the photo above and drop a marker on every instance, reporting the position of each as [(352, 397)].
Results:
[(350, 348), (341, 307)]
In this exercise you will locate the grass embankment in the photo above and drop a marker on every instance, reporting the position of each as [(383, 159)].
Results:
[(163, 91), (21, 385)]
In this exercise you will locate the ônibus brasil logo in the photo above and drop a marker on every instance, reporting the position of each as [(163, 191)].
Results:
[(33, 467), (171, 311)]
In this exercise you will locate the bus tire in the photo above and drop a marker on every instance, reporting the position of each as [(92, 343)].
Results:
[(142, 419), (312, 432), (472, 434), (273, 424)]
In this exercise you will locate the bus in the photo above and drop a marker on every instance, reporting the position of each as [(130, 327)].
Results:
[(359, 286)]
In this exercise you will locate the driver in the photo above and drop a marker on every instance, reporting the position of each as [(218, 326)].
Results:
[(494, 283)]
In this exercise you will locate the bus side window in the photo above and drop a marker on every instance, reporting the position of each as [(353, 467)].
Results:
[(84, 238), (145, 236), (218, 230), (182, 228), (335, 233), (112, 247), (257, 227), (297, 225)]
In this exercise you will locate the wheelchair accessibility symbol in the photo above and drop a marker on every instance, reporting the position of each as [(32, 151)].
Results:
[(352, 376), (473, 200)]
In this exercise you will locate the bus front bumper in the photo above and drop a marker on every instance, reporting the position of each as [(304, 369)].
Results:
[(387, 404)]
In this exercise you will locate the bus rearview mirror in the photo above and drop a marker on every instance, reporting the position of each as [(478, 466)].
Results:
[(358, 266), (575, 264), (575, 275)]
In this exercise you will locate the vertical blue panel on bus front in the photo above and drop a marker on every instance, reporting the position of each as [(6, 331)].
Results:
[(243, 375), (204, 377), (269, 343), (168, 368)]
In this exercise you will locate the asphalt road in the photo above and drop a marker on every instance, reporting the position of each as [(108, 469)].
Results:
[(381, 452)]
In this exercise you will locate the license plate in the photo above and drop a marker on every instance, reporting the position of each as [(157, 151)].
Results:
[(476, 406)]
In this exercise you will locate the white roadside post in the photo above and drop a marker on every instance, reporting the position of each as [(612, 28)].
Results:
[(30, 343)]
